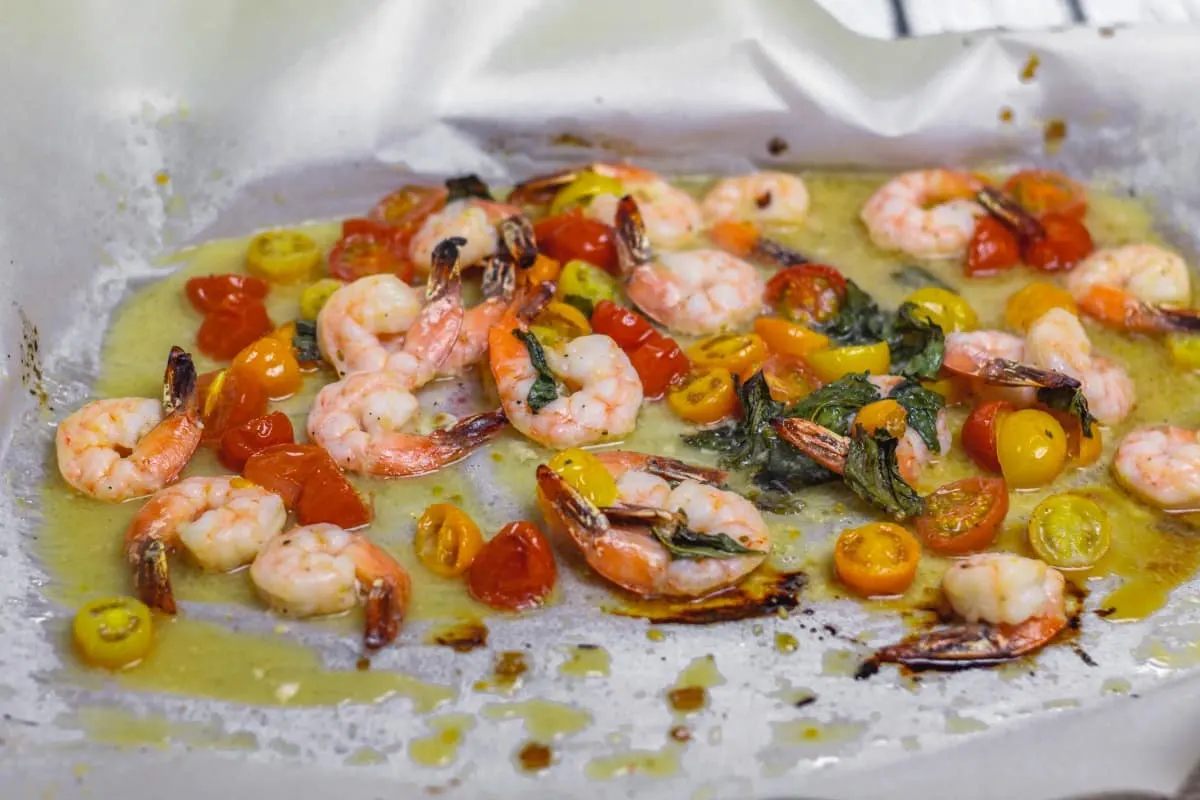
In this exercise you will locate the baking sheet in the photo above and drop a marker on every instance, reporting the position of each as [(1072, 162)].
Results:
[(271, 113)]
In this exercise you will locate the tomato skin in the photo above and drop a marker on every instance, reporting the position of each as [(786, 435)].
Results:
[(328, 497), (661, 364), (227, 402), (877, 559), (993, 248), (271, 361), (243, 441), (237, 321), (1047, 192), (706, 396), (740, 353), (569, 236), (406, 208), (447, 540), (282, 469), (515, 570), (979, 433), (206, 293), (809, 293), (1032, 448), (836, 362), (1066, 243), (964, 516), (628, 329), (366, 248), (115, 632), (789, 338), (789, 379)]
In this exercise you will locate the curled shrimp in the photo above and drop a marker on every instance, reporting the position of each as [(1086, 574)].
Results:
[(472, 219), (499, 280), (634, 546), (1138, 287), (222, 522), (600, 392), (122, 448), (1057, 341), (360, 419), (378, 322), (321, 569), (1011, 606), (1161, 465), (695, 292), (927, 213), (760, 197), (912, 452)]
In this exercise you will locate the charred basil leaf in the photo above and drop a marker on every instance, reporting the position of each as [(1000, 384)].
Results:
[(917, 344), (683, 542), (544, 390), (911, 276), (1070, 400), (859, 321), (465, 186), (304, 340), (923, 407), (873, 473)]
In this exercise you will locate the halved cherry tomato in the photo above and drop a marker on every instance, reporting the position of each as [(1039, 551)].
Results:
[(1082, 450), (583, 285), (829, 365), (964, 516), (328, 497), (979, 433), (948, 310), (1069, 531), (1029, 303), (740, 353), (283, 256), (887, 415), (789, 338), (569, 236), (238, 444), (660, 363), (1066, 243), (948, 388), (237, 321), (283, 469), (447, 540), (514, 570), (316, 295), (586, 474), (286, 334), (809, 293), (707, 395), (406, 208), (789, 379), (1042, 191), (206, 293), (272, 363), (1031, 447), (877, 559), (368, 247), (114, 632), (228, 398), (560, 323), (628, 329), (993, 248)]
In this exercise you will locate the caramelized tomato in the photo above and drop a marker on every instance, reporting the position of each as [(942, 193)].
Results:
[(236, 321), (964, 516), (368, 248), (993, 248), (447, 540), (1066, 243), (707, 395), (569, 236), (808, 294), (228, 398), (515, 570), (206, 293), (240, 443)]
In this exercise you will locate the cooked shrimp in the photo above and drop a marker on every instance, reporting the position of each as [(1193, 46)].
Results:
[(968, 353), (758, 197), (222, 522), (499, 280), (122, 448), (360, 421), (1057, 341), (625, 544), (472, 219), (696, 292), (321, 569), (992, 363), (927, 213), (599, 396), (912, 453), (1012, 606), (1161, 465), (1133, 288), (378, 322)]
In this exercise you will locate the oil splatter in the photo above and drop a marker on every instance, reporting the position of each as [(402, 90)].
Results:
[(508, 670), (690, 692), (535, 757), (1030, 70), (662, 763), (440, 747), (1054, 132), (586, 661), (806, 739), (1006, 114), (544, 720), (777, 145), (461, 637)]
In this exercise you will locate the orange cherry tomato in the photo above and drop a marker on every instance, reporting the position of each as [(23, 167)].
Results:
[(283, 469), (238, 444), (514, 570), (740, 353), (979, 433), (660, 364), (328, 496), (628, 329), (789, 338), (228, 398), (878, 559), (447, 540), (738, 238), (405, 209), (368, 247), (886, 414), (237, 321), (993, 248), (964, 516), (543, 269), (809, 293), (1041, 191), (1066, 243), (789, 379), (707, 395), (565, 237), (273, 364), (206, 293)]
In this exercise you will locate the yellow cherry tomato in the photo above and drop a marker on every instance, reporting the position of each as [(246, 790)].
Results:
[(559, 323), (705, 396), (947, 310), (114, 632), (740, 353), (877, 559), (885, 415), (1032, 448), (829, 365), (583, 285), (789, 338), (587, 475), (273, 364), (1069, 531), (586, 185), (1184, 349), (447, 540), (1030, 302), (315, 295), (948, 388), (283, 256)]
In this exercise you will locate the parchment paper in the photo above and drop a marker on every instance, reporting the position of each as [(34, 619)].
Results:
[(271, 112)]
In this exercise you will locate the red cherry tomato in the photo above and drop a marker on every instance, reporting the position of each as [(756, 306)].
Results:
[(368, 247), (1043, 191), (964, 516), (993, 248), (979, 433), (660, 363), (206, 293), (514, 570), (238, 444), (232, 402), (809, 293), (406, 208), (628, 329), (283, 469), (328, 497), (237, 321), (572, 235), (1066, 243)]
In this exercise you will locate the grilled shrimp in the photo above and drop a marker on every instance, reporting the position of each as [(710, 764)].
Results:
[(499, 280), (927, 213), (641, 547), (1011, 606), (122, 448), (760, 197), (222, 522), (1161, 465), (1138, 287), (1057, 341), (472, 219), (360, 419), (378, 322), (321, 569)]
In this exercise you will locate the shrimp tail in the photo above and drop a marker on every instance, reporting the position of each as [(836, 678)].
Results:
[(633, 243), (1005, 372), (471, 432), (441, 448), (582, 520), (384, 611), (820, 444), (443, 277), (533, 300), (179, 382), (541, 188), (151, 575), (743, 240), (499, 278), (516, 236), (676, 471), (1119, 309), (967, 645)]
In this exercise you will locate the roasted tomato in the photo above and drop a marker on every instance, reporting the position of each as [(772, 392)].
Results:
[(628, 329), (993, 248), (243, 441), (228, 398), (368, 248), (283, 469), (836, 362), (789, 338), (113, 633), (206, 293), (237, 321), (316, 295), (1066, 243), (587, 475), (1031, 447), (447, 540), (1029, 303), (878, 559), (571, 235), (283, 256), (789, 379), (886, 415), (660, 363), (515, 570), (706, 395), (740, 353), (272, 362), (1069, 531), (979, 433), (1042, 192), (405, 209), (964, 516), (808, 294), (583, 285), (328, 497), (948, 310)]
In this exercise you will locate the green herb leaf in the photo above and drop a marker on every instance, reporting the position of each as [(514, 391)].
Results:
[(923, 407), (305, 341), (917, 345), (859, 321), (544, 390), (835, 404), (683, 542), (873, 473), (1069, 400), (911, 276), (744, 442)]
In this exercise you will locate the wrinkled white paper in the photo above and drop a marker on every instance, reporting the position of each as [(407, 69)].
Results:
[(270, 112)]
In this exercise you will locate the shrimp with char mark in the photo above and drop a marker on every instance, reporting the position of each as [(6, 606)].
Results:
[(223, 522), (625, 543), (321, 569), (473, 219), (121, 448), (695, 292), (760, 197), (1161, 465), (927, 213), (1011, 606), (1057, 341), (1138, 287), (499, 282), (360, 419)]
